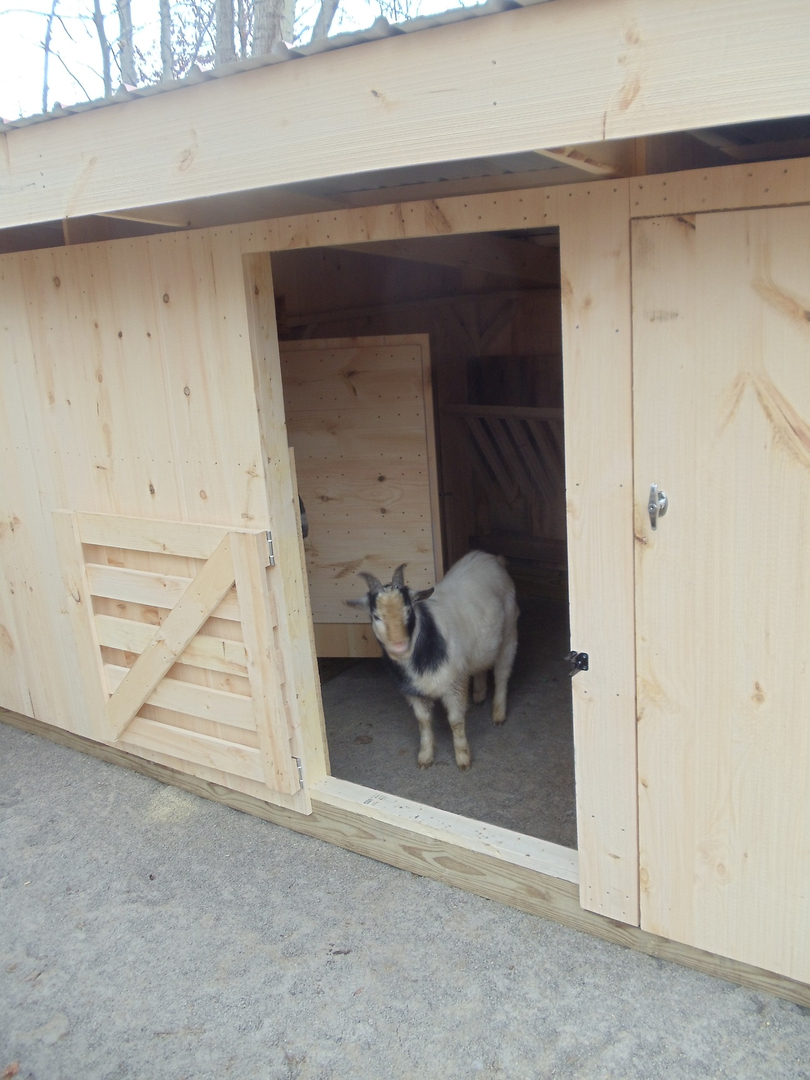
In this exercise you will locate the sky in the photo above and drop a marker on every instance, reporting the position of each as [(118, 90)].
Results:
[(76, 77)]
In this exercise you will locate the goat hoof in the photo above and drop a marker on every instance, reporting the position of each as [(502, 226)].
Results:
[(464, 762), (424, 764)]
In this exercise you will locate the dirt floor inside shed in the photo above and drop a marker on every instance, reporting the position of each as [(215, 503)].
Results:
[(522, 776)]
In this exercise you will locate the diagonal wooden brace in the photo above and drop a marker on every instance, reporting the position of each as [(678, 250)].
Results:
[(199, 600)]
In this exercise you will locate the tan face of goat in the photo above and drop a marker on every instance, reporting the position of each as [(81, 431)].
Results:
[(389, 622)]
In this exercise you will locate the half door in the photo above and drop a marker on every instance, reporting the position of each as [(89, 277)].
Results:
[(721, 308)]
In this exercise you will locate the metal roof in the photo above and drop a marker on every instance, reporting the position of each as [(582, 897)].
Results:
[(280, 54)]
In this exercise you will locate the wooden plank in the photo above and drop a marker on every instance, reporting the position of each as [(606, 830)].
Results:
[(597, 160), (345, 639), (215, 653), (650, 69), (359, 415), (379, 807), (80, 607), (439, 858), (481, 438), (538, 469), (595, 260), (552, 461), (432, 458), (192, 746), (218, 705), (273, 724), (721, 345), (501, 433), (153, 590), (192, 609), (767, 183), (288, 587), (139, 534)]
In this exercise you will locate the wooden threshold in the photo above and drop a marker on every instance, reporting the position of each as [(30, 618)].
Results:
[(422, 840)]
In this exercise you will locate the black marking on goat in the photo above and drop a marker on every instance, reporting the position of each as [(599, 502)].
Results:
[(401, 676), (430, 649), (410, 615)]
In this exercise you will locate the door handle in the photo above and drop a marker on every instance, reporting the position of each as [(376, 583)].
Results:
[(657, 506)]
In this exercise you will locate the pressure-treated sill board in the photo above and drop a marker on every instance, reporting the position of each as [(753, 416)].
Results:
[(425, 844)]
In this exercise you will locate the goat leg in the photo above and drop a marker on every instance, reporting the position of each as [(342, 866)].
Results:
[(479, 687), (456, 702), (423, 710), (501, 672)]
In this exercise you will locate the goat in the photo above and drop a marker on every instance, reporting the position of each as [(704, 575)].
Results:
[(435, 639)]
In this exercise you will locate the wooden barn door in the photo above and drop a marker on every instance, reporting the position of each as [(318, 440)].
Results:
[(359, 417), (721, 308)]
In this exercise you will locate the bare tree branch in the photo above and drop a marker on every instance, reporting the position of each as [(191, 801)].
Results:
[(126, 47), (323, 23), (104, 45), (74, 77), (166, 54)]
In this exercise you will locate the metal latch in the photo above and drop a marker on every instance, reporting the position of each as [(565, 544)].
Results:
[(657, 506), (270, 551), (577, 661), (300, 766)]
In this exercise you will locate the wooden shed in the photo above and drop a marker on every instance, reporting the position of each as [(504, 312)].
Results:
[(519, 279)]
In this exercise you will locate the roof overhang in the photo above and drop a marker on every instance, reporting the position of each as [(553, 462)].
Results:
[(542, 78)]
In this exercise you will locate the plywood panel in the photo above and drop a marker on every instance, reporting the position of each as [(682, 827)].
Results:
[(359, 415), (722, 420), (127, 386), (595, 259)]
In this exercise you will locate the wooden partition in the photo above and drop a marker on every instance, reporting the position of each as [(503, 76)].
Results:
[(359, 416), (128, 397)]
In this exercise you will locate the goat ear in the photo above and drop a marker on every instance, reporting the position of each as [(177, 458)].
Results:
[(423, 594), (398, 580), (363, 603)]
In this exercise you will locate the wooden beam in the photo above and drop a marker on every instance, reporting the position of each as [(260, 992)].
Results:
[(763, 151), (535, 263), (596, 160), (473, 185), (561, 74), (412, 848)]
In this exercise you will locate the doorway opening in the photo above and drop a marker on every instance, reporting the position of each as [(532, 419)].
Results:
[(480, 317)]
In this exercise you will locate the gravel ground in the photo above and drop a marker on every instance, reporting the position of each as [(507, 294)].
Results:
[(146, 933)]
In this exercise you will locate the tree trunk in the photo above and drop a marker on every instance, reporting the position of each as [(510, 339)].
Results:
[(324, 21), (47, 48), (225, 52), (166, 54), (125, 43), (104, 45), (272, 22)]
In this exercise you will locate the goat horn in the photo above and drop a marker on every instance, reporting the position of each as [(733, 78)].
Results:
[(374, 585), (397, 580)]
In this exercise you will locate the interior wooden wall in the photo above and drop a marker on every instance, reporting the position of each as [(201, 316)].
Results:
[(491, 337)]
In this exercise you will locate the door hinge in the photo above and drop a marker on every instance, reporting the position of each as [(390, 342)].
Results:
[(270, 551), (577, 661), (300, 766)]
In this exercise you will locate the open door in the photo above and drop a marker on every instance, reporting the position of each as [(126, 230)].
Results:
[(359, 416), (722, 426)]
